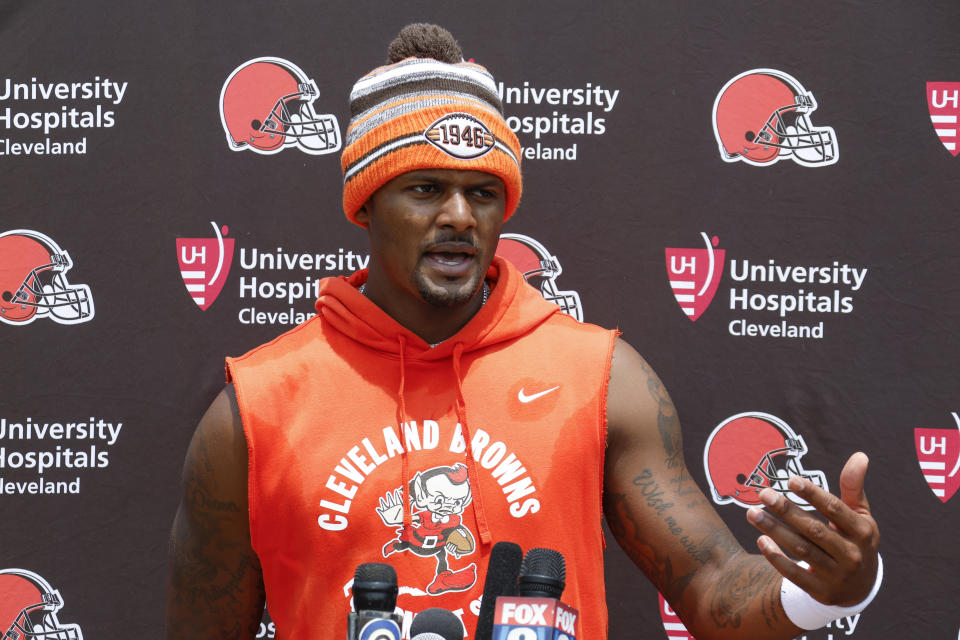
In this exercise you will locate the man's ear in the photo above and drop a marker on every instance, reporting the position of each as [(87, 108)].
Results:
[(363, 214)]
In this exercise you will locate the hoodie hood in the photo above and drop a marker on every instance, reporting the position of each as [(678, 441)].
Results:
[(513, 309)]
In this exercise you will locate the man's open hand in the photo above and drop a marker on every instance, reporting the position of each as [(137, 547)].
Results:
[(841, 552)]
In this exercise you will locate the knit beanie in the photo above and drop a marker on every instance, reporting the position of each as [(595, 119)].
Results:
[(429, 109)]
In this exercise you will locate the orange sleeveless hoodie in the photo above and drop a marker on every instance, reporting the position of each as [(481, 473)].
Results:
[(367, 445)]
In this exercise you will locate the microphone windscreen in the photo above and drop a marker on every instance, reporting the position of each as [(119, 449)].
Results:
[(503, 569), (543, 574), (375, 587), (437, 621)]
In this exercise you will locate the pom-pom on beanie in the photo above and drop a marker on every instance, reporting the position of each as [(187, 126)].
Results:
[(426, 109)]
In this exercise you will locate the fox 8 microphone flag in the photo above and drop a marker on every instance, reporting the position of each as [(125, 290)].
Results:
[(534, 619)]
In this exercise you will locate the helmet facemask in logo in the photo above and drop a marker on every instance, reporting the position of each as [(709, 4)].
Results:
[(29, 606), (267, 104), (33, 281), (753, 451), (763, 115), (540, 269)]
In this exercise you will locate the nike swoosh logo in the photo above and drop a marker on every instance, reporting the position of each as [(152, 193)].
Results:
[(524, 398)]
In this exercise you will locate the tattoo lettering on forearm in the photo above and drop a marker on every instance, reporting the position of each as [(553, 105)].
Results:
[(739, 587), (667, 423), (652, 492), (701, 551)]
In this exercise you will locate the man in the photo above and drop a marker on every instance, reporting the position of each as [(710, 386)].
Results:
[(437, 404)]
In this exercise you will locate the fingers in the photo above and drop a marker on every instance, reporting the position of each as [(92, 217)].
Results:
[(808, 537), (797, 574), (803, 535), (852, 479), (856, 524)]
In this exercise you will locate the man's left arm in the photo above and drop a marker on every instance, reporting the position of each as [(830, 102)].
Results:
[(671, 531)]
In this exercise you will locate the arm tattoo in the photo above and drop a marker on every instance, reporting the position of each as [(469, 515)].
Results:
[(744, 582), (655, 566), (667, 423), (702, 551), (211, 572)]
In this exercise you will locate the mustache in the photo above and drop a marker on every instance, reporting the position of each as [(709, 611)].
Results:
[(451, 237)]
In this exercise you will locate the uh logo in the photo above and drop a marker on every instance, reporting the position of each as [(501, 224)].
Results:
[(694, 275), (938, 452), (204, 265), (943, 103)]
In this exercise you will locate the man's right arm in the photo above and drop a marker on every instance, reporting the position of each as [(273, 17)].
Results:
[(215, 585)]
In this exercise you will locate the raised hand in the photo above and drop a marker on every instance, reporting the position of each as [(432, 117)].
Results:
[(839, 548)]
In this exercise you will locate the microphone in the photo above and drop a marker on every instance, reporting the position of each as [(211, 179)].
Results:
[(374, 600), (436, 624), (503, 569), (537, 612)]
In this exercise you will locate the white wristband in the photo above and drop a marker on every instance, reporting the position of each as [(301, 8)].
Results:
[(807, 613)]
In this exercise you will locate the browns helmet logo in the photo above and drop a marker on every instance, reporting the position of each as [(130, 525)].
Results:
[(763, 115), (540, 269), (266, 106), (29, 608), (33, 281), (752, 451)]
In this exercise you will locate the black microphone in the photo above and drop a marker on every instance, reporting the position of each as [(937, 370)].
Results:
[(374, 600), (543, 574), (436, 624), (537, 611), (503, 569)]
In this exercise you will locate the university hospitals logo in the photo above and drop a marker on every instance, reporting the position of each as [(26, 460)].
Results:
[(843, 627), (943, 102), (766, 298), (29, 608), (33, 281), (672, 623), (266, 106), (938, 452), (204, 265), (694, 275), (763, 115), (540, 269)]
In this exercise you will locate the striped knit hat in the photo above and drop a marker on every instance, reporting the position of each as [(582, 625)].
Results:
[(424, 113)]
